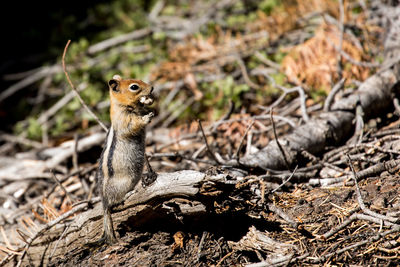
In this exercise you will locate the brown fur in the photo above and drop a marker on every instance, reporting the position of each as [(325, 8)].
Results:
[(126, 111), (125, 96)]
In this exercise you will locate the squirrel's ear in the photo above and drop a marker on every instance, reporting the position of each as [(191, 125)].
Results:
[(117, 77), (114, 84)]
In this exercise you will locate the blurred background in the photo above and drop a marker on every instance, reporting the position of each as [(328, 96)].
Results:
[(35, 35), (206, 59)]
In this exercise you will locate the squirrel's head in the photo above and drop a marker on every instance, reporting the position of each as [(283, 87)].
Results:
[(130, 93)]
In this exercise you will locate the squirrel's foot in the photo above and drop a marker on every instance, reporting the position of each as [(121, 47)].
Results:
[(104, 240), (147, 118), (149, 178)]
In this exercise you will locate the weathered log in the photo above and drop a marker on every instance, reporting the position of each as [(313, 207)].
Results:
[(141, 205), (326, 129)]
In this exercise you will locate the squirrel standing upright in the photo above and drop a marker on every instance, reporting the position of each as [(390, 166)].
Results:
[(121, 162)]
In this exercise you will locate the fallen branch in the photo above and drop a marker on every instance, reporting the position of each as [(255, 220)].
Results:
[(369, 172), (120, 39), (332, 128), (43, 72), (14, 170)]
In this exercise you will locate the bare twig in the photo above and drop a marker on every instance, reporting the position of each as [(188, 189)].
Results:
[(256, 118), (76, 91), (61, 237), (322, 162), (370, 171), (75, 154), (80, 172), (341, 28), (242, 141), (359, 126), (230, 111), (20, 140), (158, 6), (43, 72), (45, 133), (266, 61), (44, 116), (21, 75), (287, 180), (299, 89), (62, 186), (352, 60), (203, 237), (303, 106), (62, 153), (245, 74), (181, 107), (360, 200), (225, 117), (118, 40), (370, 240), (210, 152), (336, 88), (277, 141), (224, 258)]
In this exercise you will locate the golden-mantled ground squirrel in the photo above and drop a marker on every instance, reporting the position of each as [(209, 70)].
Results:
[(121, 162)]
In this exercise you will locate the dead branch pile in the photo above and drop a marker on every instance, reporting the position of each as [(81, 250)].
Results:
[(291, 182)]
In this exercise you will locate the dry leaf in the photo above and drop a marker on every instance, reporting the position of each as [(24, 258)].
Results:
[(178, 239)]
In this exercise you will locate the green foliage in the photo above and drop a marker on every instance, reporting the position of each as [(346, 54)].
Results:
[(279, 78), (62, 123), (77, 48), (357, 9), (268, 5), (169, 10), (92, 96), (278, 56), (120, 16), (31, 127), (379, 58), (159, 36), (218, 94), (239, 22), (318, 94)]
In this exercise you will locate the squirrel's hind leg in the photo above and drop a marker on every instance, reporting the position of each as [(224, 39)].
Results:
[(108, 236)]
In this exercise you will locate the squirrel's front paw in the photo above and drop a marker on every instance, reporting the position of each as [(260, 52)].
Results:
[(147, 118)]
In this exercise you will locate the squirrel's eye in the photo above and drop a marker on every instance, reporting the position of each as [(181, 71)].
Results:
[(134, 87)]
